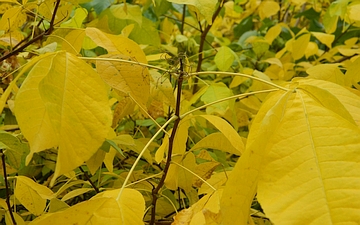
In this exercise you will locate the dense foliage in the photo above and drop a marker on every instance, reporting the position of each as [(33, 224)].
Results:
[(179, 112)]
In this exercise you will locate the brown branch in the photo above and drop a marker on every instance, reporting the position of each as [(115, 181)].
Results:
[(202, 42), (156, 190), (7, 187), (35, 39), (88, 178)]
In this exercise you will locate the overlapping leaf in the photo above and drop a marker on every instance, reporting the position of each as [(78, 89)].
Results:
[(63, 103), (302, 152), (104, 208)]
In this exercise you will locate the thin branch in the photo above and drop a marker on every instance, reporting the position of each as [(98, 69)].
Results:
[(155, 192), (241, 75), (88, 178), (202, 42), (183, 19), (7, 189), (35, 39)]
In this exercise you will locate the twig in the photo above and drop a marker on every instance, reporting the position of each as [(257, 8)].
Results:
[(88, 178), (183, 19), (202, 42), (35, 39), (7, 187), (155, 191)]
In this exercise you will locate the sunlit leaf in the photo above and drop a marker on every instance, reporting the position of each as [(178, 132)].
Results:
[(320, 165), (57, 106)]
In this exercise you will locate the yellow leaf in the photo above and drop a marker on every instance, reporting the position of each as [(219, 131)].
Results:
[(132, 12), (178, 176), (272, 33), (128, 78), (57, 106), (268, 8), (319, 166), (161, 89), (354, 13), (160, 152), (326, 39), (74, 41), (350, 101), (12, 19), (75, 193), (181, 137), (352, 75), (226, 129), (103, 208), (222, 143), (328, 72), (299, 46), (311, 49), (95, 161), (217, 180), (205, 7), (241, 185), (204, 170), (32, 195)]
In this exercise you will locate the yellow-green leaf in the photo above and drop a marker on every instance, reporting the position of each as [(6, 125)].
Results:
[(224, 58), (205, 7), (32, 195), (214, 92), (64, 103), (352, 75), (77, 20), (104, 208)]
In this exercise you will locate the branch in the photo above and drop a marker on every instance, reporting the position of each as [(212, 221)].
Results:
[(155, 191), (202, 41), (88, 178), (35, 39), (7, 187)]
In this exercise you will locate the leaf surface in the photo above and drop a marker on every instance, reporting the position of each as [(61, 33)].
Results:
[(319, 166), (63, 103), (101, 209)]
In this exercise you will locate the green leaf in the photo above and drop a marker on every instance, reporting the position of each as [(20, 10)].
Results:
[(214, 92), (77, 20), (63, 102), (224, 58), (15, 150)]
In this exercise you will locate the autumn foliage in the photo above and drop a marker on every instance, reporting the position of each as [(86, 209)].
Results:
[(197, 112)]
